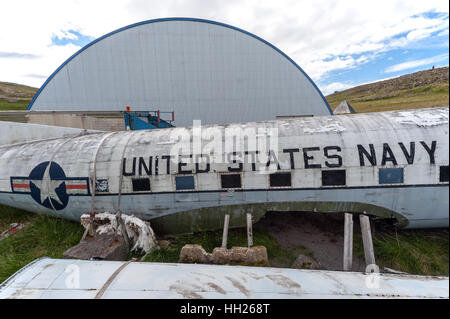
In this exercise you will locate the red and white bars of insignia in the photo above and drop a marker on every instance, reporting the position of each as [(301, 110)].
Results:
[(21, 185), (76, 187)]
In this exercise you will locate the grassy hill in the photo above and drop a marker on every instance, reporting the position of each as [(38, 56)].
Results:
[(416, 90), (15, 96)]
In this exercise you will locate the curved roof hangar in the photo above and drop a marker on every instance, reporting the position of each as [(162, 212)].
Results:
[(200, 69)]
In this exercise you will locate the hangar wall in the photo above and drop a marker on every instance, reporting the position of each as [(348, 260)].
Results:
[(200, 69)]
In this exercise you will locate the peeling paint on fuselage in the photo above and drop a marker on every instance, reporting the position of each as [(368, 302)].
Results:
[(360, 144)]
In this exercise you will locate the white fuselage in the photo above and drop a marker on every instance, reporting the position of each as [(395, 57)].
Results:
[(390, 164)]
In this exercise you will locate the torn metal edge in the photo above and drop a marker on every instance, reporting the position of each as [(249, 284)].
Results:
[(4, 284)]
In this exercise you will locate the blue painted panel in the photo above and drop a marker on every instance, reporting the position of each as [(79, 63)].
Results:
[(149, 205), (390, 175), (144, 120), (232, 196), (212, 197), (186, 197), (184, 182)]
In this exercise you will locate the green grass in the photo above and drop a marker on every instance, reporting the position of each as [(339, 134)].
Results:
[(5, 105), (425, 96), (50, 236), (43, 236), (421, 252), (9, 215), (278, 256)]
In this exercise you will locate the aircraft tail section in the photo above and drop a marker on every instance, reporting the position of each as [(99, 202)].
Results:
[(16, 133)]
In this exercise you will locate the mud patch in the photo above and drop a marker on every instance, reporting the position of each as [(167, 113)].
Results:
[(283, 281), (320, 234), (239, 286), (185, 291), (216, 288)]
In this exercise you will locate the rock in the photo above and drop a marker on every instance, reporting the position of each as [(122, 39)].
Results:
[(193, 254), (238, 255), (257, 256), (221, 256), (163, 244), (253, 256), (101, 246), (305, 262)]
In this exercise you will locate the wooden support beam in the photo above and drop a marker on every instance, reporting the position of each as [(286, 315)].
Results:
[(367, 239), (348, 242), (225, 231), (249, 230)]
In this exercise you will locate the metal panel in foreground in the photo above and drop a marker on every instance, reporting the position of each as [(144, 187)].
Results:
[(59, 278)]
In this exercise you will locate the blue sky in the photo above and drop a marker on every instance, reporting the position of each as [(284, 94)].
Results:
[(339, 44), (429, 52), (72, 37), (422, 54)]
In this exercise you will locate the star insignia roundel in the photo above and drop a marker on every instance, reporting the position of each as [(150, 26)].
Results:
[(48, 185)]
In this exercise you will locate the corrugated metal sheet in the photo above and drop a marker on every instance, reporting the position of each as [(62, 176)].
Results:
[(100, 120), (200, 69), (58, 278), (12, 132)]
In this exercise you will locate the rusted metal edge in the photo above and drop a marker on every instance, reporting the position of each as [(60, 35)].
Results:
[(110, 280), (93, 173), (29, 265)]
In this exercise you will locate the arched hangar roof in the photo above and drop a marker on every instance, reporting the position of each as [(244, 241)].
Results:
[(200, 69)]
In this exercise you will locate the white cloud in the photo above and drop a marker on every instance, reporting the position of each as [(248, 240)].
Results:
[(321, 36), (443, 33), (341, 86), (415, 63), (335, 86)]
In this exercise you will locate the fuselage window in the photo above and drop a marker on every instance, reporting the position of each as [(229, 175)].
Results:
[(231, 180), (443, 174), (140, 184), (184, 182), (280, 180), (333, 177), (390, 175)]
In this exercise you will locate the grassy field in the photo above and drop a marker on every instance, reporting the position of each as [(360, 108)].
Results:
[(423, 252), (15, 96), (6, 105), (426, 96), (42, 236), (236, 237), (417, 90), (48, 236)]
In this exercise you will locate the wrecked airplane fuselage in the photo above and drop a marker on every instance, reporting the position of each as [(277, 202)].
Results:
[(47, 278), (389, 164)]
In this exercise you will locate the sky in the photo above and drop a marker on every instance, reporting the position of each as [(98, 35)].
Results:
[(339, 44)]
